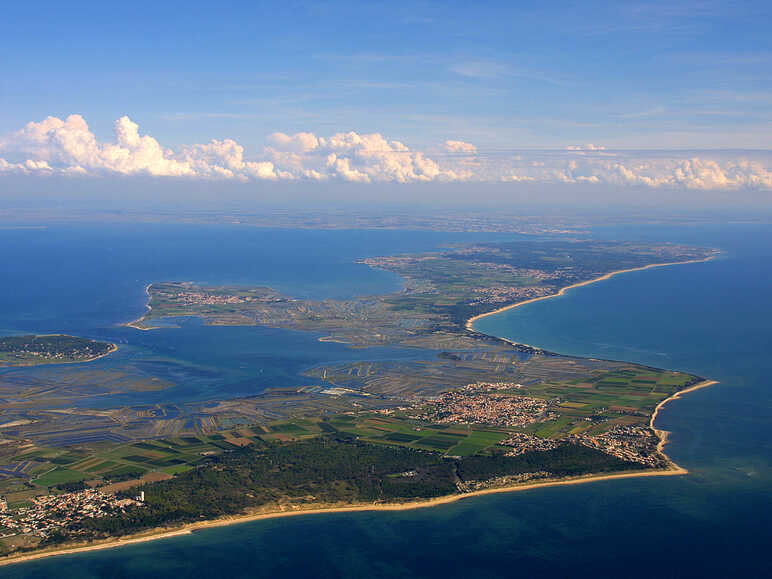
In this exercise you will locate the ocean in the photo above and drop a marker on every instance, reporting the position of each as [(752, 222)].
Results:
[(713, 319)]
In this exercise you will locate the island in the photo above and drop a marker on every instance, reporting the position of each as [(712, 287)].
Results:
[(464, 413), (33, 350)]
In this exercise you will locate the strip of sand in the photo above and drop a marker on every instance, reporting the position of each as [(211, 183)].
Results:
[(292, 512), (663, 434), (113, 348), (470, 322), (136, 324)]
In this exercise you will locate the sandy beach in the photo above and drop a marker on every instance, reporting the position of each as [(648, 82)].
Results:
[(663, 434), (290, 511), (113, 348), (136, 323), (166, 533), (470, 322)]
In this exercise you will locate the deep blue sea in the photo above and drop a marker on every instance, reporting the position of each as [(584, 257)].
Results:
[(714, 319)]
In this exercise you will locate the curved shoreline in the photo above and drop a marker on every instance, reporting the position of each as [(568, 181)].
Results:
[(113, 349), (562, 291), (189, 528), (663, 434), (135, 323), (673, 468), (186, 529)]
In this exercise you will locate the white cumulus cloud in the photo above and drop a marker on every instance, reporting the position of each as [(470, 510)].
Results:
[(690, 173), (459, 147), (351, 156), (56, 146), (68, 146)]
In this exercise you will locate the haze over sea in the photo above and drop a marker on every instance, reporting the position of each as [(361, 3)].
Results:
[(713, 319)]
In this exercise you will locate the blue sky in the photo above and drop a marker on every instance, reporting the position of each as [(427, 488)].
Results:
[(503, 76)]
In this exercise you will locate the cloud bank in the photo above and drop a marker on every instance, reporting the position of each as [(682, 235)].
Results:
[(689, 173), (68, 147)]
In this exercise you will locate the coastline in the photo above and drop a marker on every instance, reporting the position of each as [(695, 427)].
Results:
[(165, 533), (186, 529), (113, 349), (663, 434), (673, 469), (562, 291), (136, 323), (332, 339)]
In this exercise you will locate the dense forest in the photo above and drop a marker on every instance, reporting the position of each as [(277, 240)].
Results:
[(331, 469)]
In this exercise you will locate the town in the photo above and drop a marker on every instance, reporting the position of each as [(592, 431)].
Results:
[(185, 294), (521, 443), (49, 513), (631, 443), (498, 404), (507, 294), (488, 403)]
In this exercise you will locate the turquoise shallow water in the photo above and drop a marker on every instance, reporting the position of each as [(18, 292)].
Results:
[(714, 319)]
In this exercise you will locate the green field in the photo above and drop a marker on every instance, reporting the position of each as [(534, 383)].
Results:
[(172, 456), (59, 476), (590, 404)]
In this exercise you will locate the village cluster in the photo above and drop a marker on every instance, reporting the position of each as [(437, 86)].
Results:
[(201, 298), (633, 443), (50, 513), (521, 443), (483, 403), (507, 294), (498, 404)]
